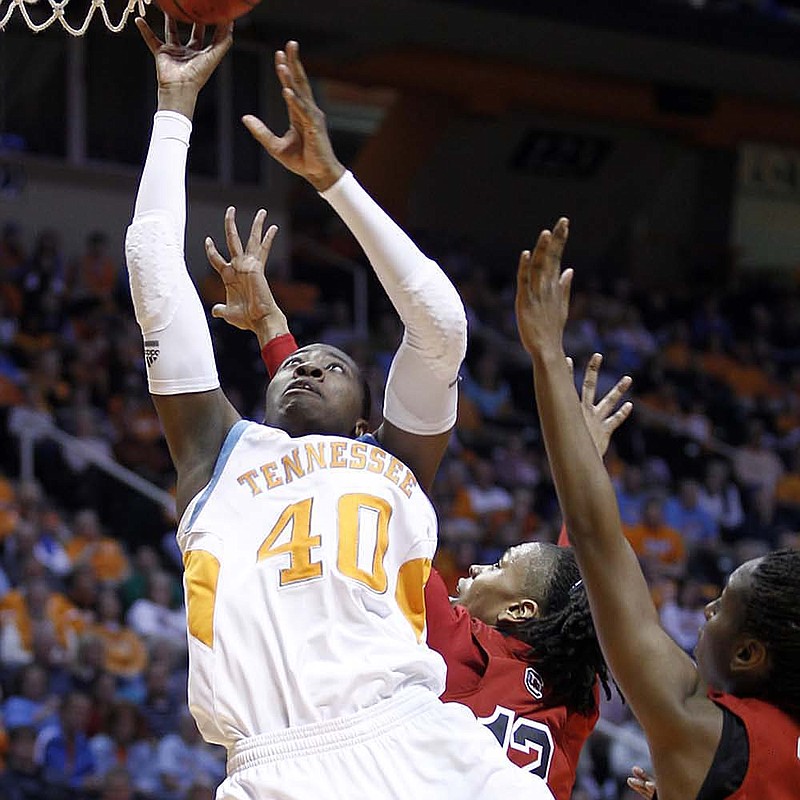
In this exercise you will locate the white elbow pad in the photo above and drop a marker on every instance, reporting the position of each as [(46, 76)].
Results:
[(177, 344), (422, 388), (415, 403)]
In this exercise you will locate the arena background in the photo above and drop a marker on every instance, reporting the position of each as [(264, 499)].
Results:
[(669, 133)]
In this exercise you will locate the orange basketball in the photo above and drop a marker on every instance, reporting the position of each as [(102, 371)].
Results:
[(207, 12)]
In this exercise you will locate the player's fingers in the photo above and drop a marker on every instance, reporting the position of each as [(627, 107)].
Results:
[(262, 134), (302, 83), (614, 395), (524, 275), (223, 33), (171, 35), (266, 243), (283, 71), (254, 240), (232, 233), (538, 259), (638, 786), (196, 37), (219, 311), (556, 247), (214, 257), (590, 379), (300, 111), (565, 285), (154, 44), (619, 416)]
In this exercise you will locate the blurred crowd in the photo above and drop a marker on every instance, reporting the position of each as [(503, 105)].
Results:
[(92, 632), (771, 8)]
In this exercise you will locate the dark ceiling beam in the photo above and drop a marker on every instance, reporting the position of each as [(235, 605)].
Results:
[(492, 87)]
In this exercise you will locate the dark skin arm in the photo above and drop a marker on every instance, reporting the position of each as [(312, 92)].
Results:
[(196, 424), (659, 681), (306, 150)]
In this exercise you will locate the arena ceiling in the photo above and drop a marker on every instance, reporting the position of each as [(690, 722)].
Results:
[(654, 41)]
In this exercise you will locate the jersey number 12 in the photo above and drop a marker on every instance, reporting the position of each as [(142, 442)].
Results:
[(523, 736)]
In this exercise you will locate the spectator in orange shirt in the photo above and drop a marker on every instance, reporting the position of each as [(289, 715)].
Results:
[(88, 546), (31, 605), (125, 651), (655, 542)]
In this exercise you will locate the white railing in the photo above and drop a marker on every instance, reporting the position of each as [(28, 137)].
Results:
[(353, 268), (31, 427)]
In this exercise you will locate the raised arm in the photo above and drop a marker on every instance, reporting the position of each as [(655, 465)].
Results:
[(417, 424), (601, 418), (181, 371), (659, 681)]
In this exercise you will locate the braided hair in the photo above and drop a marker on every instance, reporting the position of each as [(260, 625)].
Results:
[(772, 615), (563, 642)]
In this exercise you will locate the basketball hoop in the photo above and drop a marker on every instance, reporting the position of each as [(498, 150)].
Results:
[(57, 14)]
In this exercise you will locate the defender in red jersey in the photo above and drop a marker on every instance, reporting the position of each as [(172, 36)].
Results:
[(539, 702), (727, 727)]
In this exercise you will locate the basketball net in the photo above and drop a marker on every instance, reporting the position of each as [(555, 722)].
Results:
[(57, 11)]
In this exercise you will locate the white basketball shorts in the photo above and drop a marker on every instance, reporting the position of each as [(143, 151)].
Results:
[(410, 747)]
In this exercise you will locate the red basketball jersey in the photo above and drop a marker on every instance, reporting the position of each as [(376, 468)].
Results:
[(773, 770), (491, 674)]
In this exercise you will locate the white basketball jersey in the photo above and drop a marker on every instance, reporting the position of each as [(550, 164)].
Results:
[(305, 565)]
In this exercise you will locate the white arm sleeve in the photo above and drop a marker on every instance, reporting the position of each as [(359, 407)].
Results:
[(435, 337), (177, 342)]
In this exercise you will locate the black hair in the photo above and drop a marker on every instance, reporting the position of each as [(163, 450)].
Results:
[(563, 642), (772, 615), (366, 397)]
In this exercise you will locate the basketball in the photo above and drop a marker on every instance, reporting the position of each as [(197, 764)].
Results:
[(206, 12)]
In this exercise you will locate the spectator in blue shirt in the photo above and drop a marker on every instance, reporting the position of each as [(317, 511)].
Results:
[(160, 707), (63, 748), (23, 778), (31, 706), (184, 759), (685, 513), (630, 495), (124, 746)]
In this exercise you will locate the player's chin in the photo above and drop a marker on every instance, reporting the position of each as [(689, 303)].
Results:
[(462, 588), (301, 404)]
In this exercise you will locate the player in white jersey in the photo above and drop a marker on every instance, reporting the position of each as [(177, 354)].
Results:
[(306, 548)]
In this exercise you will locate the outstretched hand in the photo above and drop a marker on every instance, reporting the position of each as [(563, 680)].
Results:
[(642, 783), (183, 69), (305, 148), (601, 418), (249, 304), (542, 302)]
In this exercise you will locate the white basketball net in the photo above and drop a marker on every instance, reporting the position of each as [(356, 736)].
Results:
[(57, 14)]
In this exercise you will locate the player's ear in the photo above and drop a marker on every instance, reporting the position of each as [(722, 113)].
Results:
[(750, 657), (519, 612)]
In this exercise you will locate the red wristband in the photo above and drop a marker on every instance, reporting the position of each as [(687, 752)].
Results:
[(563, 537), (276, 350)]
